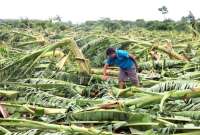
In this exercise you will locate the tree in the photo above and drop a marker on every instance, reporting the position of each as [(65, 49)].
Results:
[(192, 22), (163, 10), (140, 22), (110, 25), (57, 17)]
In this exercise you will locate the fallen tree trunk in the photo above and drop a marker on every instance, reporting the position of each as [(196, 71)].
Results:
[(155, 99), (33, 109), (41, 125), (171, 53)]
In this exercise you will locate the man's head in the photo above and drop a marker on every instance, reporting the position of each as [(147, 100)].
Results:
[(111, 52)]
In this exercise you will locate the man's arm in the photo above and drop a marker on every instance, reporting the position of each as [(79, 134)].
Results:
[(105, 77), (133, 58)]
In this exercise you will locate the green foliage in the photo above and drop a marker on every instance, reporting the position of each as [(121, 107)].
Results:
[(45, 91)]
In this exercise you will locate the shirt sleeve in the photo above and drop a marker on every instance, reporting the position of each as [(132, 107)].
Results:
[(109, 61), (122, 53)]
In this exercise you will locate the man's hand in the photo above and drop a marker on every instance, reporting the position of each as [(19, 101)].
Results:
[(105, 77)]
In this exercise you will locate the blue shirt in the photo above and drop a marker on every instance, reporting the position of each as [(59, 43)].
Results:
[(122, 60)]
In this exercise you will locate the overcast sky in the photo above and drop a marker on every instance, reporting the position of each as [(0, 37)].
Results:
[(81, 10)]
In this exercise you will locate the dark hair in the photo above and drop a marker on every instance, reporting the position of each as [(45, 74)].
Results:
[(110, 51)]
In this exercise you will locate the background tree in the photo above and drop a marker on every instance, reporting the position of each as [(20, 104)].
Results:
[(193, 23), (164, 11)]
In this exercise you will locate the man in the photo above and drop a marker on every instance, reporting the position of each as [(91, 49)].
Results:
[(127, 64)]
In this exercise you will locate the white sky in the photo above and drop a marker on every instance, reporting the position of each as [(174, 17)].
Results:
[(81, 10)]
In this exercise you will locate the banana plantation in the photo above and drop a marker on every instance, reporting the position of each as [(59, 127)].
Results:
[(51, 81)]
